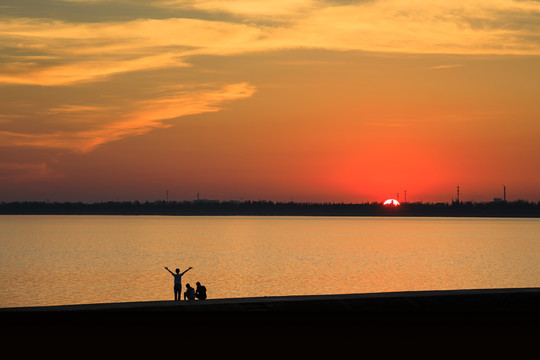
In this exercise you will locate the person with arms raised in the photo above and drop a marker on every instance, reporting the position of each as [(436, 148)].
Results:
[(178, 282)]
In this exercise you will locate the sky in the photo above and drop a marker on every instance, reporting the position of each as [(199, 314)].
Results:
[(281, 100)]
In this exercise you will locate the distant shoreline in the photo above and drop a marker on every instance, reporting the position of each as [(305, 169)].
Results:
[(517, 209)]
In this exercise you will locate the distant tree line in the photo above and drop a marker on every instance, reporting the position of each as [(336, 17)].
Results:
[(519, 208)]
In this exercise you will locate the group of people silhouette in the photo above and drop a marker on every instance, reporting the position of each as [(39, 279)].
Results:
[(190, 293)]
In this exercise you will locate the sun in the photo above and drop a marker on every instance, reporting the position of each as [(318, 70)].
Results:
[(393, 202)]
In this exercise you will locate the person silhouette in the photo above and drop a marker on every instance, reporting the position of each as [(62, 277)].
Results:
[(177, 282), (200, 293), (190, 293)]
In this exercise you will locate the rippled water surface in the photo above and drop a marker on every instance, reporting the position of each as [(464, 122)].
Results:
[(46, 260)]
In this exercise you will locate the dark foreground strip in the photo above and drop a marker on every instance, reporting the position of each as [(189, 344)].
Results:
[(517, 309)]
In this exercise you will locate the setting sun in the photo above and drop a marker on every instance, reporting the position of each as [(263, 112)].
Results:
[(391, 202)]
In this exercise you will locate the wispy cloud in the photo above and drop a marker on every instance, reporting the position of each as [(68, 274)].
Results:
[(268, 8), (72, 53), (442, 67), (27, 171), (76, 109), (410, 26), (149, 115), (75, 71)]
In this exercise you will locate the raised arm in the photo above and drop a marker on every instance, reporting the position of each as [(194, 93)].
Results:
[(166, 268), (186, 270)]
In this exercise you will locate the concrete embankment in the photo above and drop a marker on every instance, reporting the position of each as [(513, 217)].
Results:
[(519, 308)]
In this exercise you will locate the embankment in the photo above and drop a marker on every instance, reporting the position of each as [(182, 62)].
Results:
[(479, 308)]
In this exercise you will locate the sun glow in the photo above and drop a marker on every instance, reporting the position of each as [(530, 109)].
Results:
[(393, 202)]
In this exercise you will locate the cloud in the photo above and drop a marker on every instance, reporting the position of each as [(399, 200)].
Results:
[(246, 7), (422, 27), (442, 67), (395, 26), (32, 73), (27, 171), (149, 115), (70, 53), (76, 109), (52, 52)]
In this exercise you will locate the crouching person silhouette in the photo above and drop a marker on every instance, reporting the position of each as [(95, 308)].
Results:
[(177, 282), (190, 293), (200, 293)]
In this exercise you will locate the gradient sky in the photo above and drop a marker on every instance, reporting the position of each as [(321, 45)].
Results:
[(304, 100)]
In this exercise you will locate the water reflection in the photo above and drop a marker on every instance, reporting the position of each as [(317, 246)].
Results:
[(87, 259)]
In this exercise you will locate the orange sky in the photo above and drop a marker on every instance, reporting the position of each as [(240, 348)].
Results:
[(308, 100)]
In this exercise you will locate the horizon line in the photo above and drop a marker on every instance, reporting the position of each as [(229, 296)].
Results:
[(216, 201)]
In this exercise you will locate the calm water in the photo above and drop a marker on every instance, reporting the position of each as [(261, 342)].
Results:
[(46, 260)]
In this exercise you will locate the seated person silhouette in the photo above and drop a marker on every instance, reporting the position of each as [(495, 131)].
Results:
[(190, 293), (200, 293)]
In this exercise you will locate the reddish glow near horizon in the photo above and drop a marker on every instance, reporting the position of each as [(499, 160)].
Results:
[(391, 202)]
